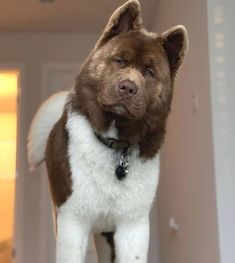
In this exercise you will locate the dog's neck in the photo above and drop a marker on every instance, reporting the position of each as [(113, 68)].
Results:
[(111, 139), (111, 132), (106, 124)]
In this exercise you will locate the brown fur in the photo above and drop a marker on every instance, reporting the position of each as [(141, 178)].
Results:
[(96, 91), (57, 162)]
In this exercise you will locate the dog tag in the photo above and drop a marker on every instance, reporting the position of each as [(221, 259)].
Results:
[(121, 172), (121, 169)]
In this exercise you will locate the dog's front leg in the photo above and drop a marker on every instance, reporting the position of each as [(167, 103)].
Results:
[(72, 239), (132, 241)]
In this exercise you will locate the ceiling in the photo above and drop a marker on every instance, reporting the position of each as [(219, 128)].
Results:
[(64, 15)]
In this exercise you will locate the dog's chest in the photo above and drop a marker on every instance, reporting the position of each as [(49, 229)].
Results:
[(97, 194)]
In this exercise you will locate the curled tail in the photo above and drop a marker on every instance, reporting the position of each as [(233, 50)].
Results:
[(46, 117)]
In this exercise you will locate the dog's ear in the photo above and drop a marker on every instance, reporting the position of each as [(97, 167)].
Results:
[(126, 18), (175, 44)]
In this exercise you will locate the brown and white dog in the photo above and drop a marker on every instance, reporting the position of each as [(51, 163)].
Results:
[(101, 140)]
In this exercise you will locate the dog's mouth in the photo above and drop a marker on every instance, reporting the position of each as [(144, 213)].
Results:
[(119, 109)]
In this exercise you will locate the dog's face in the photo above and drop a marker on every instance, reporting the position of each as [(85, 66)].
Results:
[(130, 73), (131, 70), (133, 75)]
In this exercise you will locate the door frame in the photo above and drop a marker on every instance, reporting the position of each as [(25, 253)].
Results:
[(50, 68)]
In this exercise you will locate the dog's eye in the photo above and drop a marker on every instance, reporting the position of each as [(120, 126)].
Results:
[(120, 62), (149, 72)]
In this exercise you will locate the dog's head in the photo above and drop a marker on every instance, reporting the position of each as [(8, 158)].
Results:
[(129, 75)]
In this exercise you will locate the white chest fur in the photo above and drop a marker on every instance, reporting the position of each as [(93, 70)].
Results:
[(97, 195)]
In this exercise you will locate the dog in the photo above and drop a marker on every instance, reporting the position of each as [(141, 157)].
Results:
[(101, 140)]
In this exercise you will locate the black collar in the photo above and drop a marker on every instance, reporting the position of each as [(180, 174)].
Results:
[(113, 143), (121, 169)]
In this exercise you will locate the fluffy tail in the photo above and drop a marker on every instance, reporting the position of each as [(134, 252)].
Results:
[(46, 117)]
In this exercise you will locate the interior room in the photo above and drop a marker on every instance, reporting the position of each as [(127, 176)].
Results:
[(43, 44)]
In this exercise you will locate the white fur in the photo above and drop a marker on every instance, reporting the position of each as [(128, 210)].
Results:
[(46, 117), (100, 202)]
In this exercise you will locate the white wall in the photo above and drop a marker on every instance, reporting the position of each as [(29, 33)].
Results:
[(187, 183), (221, 22), (32, 51)]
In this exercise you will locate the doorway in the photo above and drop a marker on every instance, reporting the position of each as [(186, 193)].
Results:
[(8, 140)]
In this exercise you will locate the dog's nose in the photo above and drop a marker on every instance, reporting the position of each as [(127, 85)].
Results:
[(127, 88)]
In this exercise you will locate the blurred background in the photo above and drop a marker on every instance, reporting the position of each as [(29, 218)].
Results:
[(42, 45)]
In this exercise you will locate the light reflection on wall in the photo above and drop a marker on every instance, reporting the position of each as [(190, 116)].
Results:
[(220, 82), (8, 124), (8, 120), (222, 64)]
